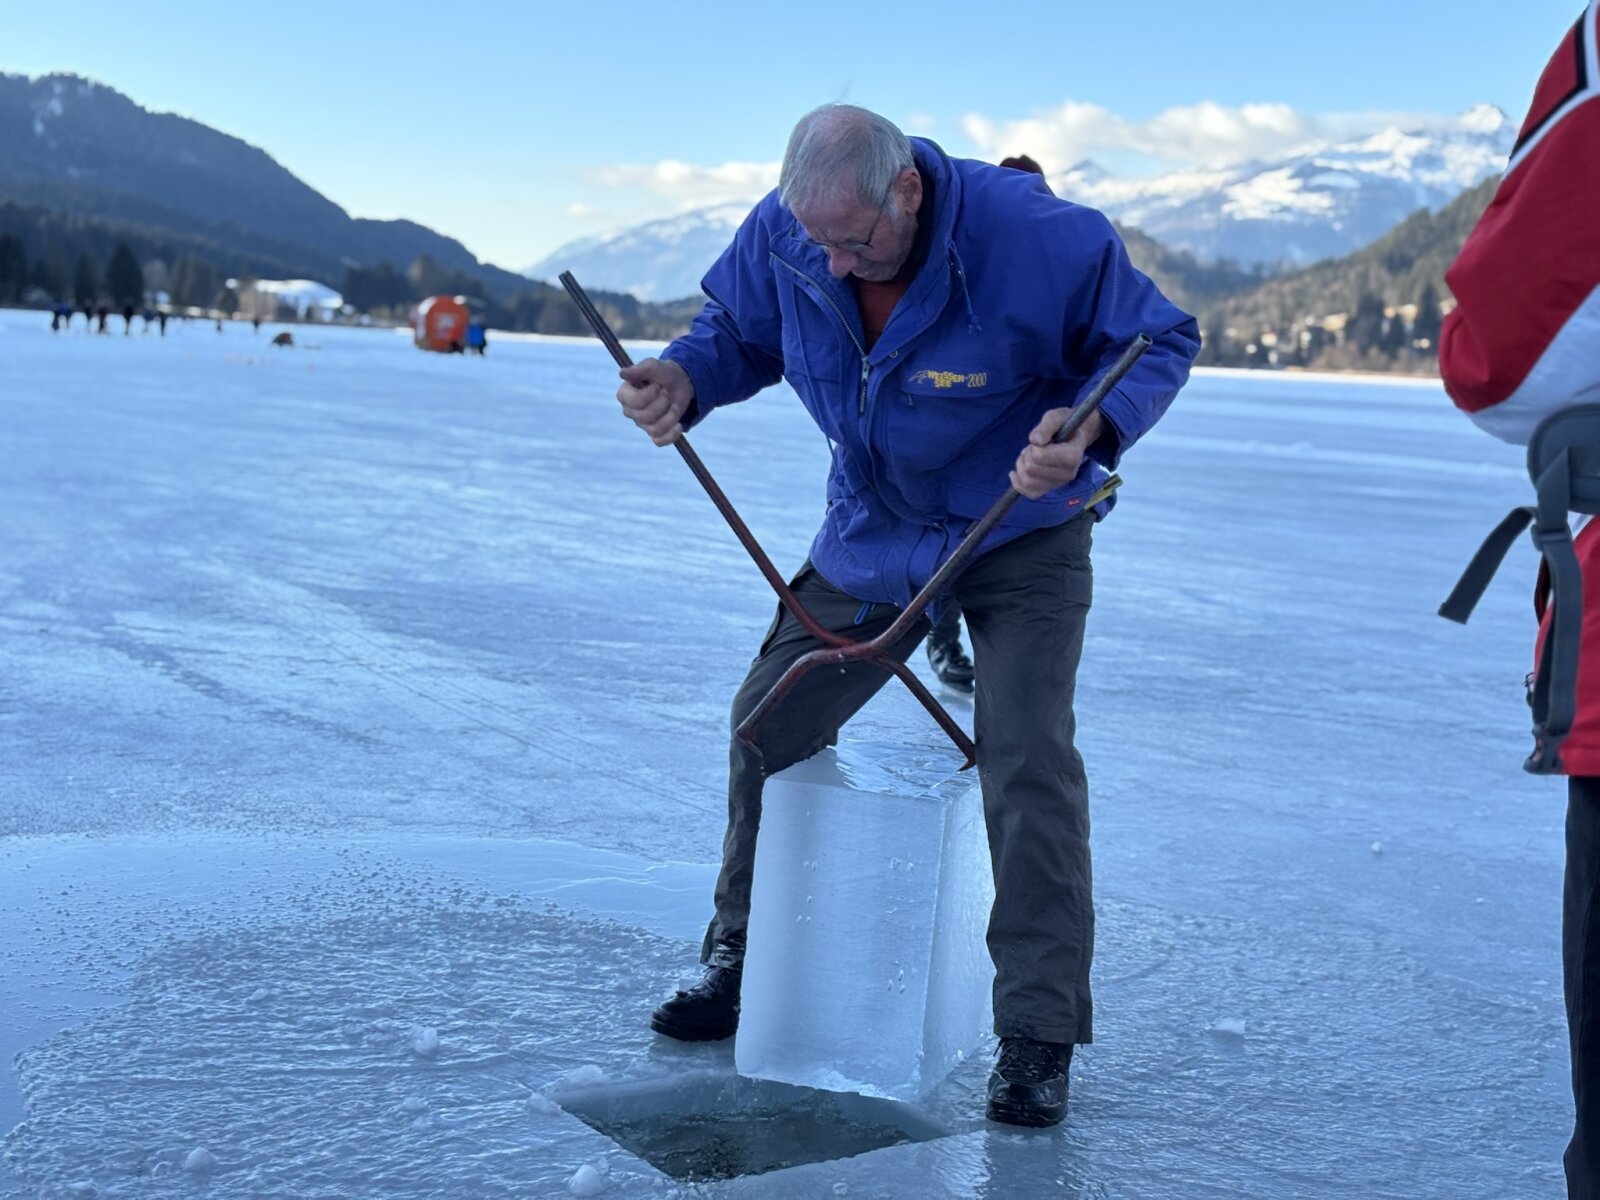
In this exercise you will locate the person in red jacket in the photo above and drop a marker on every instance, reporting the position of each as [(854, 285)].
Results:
[(1522, 345)]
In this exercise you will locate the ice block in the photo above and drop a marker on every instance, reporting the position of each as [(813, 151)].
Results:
[(866, 969)]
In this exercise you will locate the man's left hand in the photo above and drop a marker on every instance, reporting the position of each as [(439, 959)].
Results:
[(1045, 465)]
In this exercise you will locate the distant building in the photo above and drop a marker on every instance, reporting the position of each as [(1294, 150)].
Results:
[(309, 300)]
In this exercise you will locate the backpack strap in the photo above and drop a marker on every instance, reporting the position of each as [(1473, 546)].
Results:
[(1564, 465), (1555, 684), (1474, 581)]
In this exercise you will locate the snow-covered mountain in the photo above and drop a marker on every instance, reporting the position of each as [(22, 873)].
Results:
[(659, 260), (1323, 202)]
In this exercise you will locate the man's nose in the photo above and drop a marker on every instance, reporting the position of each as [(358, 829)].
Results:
[(840, 262)]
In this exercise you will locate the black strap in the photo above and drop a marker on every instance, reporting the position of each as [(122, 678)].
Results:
[(1474, 581), (1555, 687)]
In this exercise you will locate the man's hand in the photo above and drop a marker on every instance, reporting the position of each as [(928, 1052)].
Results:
[(654, 395), (1043, 466)]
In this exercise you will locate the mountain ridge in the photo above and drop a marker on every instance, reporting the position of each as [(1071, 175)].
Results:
[(83, 147), (1322, 201)]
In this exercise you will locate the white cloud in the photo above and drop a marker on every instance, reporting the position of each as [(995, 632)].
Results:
[(1204, 135), (1193, 135), (692, 186)]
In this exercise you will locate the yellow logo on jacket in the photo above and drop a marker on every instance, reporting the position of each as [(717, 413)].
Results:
[(949, 379)]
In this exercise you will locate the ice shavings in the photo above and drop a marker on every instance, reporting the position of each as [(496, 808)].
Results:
[(587, 1180)]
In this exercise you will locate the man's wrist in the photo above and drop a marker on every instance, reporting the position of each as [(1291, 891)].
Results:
[(686, 379)]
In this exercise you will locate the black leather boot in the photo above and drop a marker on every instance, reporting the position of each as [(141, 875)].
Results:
[(1029, 1083), (709, 1011), (951, 664)]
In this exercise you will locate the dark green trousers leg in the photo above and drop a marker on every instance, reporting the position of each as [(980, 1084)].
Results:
[(1026, 606), (809, 719)]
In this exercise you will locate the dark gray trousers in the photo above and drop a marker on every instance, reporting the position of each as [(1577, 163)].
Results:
[(1580, 953), (1025, 605)]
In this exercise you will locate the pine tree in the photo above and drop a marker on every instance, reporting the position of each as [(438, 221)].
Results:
[(85, 281), (125, 277), (1396, 337), (13, 269), (1213, 341), (1365, 331), (194, 282), (427, 277), (1428, 320), (368, 288), (49, 274)]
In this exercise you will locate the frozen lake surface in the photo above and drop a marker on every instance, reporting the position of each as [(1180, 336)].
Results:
[(362, 738)]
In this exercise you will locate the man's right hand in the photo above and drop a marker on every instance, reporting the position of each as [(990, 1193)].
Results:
[(655, 394)]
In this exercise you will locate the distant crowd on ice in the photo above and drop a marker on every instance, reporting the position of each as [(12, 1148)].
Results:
[(97, 319)]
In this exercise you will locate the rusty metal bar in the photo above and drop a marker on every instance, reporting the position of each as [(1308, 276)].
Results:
[(742, 531)]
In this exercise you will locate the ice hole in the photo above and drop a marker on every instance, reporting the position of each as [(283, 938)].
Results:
[(712, 1126)]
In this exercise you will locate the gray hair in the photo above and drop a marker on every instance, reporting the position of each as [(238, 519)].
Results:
[(840, 148)]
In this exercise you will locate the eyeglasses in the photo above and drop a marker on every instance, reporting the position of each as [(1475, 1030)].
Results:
[(852, 247)]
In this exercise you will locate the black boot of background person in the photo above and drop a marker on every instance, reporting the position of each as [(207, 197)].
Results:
[(951, 664), (945, 655), (1028, 1085), (708, 1011)]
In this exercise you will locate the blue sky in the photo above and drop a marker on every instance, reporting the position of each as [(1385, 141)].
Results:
[(517, 127)]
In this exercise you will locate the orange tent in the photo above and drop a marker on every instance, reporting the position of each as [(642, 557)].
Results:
[(441, 324)]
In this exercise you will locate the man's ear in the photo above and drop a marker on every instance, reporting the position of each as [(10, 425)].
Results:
[(908, 189)]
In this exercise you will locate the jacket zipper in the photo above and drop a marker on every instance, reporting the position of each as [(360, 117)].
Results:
[(866, 367)]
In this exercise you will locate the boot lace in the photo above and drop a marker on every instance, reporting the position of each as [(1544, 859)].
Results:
[(1023, 1060)]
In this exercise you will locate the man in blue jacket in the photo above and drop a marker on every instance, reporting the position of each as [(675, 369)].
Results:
[(937, 318)]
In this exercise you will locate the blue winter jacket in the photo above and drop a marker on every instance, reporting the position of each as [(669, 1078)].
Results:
[(1022, 301)]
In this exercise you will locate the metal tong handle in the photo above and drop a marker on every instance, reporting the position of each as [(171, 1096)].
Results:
[(724, 505)]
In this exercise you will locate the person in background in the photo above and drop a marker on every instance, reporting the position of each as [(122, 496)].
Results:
[(938, 318), (1522, 344), (1022, 162), (477, 336), (946, 655)]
